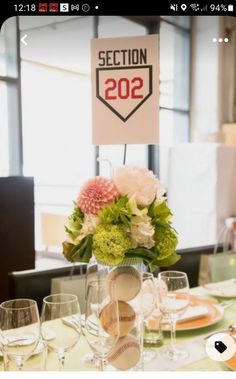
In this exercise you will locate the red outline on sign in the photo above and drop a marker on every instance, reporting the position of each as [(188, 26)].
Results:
[(124, 119)]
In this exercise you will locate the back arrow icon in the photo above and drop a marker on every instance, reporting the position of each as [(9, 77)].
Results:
[(23, 39)]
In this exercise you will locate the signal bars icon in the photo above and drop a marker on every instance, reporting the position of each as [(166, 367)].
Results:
[(204, 9)]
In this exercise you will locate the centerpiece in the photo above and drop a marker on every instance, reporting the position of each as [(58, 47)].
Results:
[(122, 221), (124, 217)]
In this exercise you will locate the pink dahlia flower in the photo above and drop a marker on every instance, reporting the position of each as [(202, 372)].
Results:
[(96, 194)]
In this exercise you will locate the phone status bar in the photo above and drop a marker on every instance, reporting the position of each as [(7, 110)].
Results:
[(104, 7)]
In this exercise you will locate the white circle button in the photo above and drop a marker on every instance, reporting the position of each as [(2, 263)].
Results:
[(220, 347)]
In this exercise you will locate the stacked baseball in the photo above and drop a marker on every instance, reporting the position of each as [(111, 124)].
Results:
[(128, 283)]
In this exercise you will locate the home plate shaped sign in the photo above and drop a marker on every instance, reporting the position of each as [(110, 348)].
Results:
[(125, 87)]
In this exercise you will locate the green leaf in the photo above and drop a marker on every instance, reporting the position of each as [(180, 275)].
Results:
[(122, 201), (79, 253), (68, 250), (141, 252), (74, 223), (117, 213), (124, 220), (160, 214), (171, 260)]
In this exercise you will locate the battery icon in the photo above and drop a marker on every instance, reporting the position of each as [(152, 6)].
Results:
[(230, 8)]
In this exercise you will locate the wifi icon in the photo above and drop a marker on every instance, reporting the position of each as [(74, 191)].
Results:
[(195, 7)]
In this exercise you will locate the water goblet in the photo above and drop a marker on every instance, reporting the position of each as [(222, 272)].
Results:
[(19, 330), (61, 324), (173, 301)]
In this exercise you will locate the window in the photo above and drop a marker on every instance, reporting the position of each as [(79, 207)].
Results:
[(174, 84), (56, 103), (57, 113), (10, 139)]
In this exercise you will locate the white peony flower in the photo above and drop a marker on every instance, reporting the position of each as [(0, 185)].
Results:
[(142, 232), (138, 182), (91, 221)]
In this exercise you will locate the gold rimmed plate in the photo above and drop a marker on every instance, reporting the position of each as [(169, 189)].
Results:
[(215, 314)]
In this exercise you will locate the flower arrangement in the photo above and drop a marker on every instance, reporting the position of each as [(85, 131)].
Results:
[(123, 217)]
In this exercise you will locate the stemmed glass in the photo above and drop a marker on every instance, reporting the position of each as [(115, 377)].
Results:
[(148, 294), (148, 301), (94, 272), (173, 301), (19, 329), (144, 304), (101, 319), (61, 324)]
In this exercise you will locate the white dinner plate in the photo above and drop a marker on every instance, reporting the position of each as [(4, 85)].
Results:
[(225, 289)]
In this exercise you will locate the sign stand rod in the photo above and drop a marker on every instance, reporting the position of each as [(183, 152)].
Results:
[(124, 156)]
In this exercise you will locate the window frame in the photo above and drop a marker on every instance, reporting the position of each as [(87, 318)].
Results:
[(15, 140)]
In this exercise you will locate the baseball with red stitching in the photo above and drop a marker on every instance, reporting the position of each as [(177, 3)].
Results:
[(127, 282), (125, 354), (126, 318)]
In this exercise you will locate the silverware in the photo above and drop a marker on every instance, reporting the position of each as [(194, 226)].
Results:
[(217, 331), (231, 329), (73, 323), (226, 304)]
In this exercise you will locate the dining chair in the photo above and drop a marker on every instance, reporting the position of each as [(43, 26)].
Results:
[(36, 284)]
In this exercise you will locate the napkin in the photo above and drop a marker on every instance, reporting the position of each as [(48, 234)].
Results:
[(193, 313)]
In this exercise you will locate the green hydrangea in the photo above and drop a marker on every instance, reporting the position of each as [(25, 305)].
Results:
[(110, 243), (166, 241)]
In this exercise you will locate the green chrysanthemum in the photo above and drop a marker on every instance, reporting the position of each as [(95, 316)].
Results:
[(166, 241), (110, 243)]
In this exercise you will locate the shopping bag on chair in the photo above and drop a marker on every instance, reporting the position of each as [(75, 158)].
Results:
[(74, 284), (217, 267)]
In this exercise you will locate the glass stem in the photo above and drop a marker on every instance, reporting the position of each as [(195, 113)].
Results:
[(20, 367), (102, 364), (61, 360), (5, 360), (141, 340), (173, 334)]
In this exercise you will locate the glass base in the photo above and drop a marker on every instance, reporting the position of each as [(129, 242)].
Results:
[(174, 353), (149, 355), (91, 361)]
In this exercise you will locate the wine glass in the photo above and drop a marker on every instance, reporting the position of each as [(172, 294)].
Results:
[(101, 319), (148, 294), (36, 361), (144, 304), (94, 272), (173, 302), (61, 324), (148, 301), (19, 329)]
